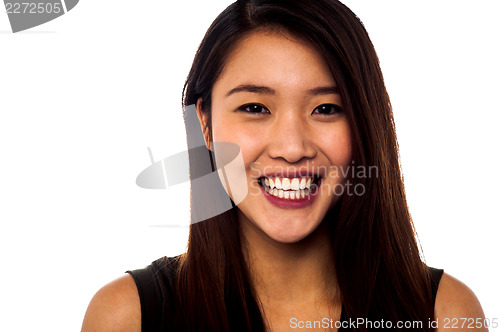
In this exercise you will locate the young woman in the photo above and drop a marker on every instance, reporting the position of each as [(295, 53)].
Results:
[(322, 238)]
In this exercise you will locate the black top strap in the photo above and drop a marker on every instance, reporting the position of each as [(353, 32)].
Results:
[(436, 275), (155, 286)]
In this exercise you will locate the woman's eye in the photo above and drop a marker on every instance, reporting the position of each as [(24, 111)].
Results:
[(254, 109), (327, 109)]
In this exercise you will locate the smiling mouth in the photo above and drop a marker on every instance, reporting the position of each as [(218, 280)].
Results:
[(290, 188)]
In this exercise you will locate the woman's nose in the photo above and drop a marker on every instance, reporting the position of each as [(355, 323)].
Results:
[(291, 139)]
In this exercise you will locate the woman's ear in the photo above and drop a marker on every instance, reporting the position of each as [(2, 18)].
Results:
[(203, 118)]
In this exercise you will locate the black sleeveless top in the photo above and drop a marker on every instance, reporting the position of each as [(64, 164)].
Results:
[(155, 285)]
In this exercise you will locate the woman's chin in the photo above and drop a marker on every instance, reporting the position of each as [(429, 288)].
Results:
[(286, 229), (288, 238), (290, 233)]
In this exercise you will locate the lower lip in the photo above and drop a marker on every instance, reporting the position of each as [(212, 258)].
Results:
[(290, 203)]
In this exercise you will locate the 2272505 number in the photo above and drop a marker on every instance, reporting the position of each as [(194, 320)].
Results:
[(455, 323), (33, 8)]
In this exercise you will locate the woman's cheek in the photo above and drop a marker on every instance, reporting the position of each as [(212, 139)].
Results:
[(336, 144), (249, 140)]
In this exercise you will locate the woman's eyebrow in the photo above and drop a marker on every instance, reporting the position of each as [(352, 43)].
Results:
[(251, 88), (322, 90)]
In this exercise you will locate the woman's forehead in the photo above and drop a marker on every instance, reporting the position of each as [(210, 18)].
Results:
[(275, 59)]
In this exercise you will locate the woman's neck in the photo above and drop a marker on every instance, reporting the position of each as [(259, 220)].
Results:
[(300, 273)]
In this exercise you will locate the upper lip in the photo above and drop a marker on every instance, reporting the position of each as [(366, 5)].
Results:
[(291, 174)]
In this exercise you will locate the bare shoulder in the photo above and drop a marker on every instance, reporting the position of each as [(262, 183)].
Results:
[(457, 307), (115, 307)]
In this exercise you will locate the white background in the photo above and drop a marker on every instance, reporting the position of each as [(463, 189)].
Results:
[(83, 96)]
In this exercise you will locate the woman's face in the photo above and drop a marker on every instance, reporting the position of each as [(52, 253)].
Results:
[(277, 100)]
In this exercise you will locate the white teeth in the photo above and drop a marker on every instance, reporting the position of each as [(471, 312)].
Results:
[(288, 188)]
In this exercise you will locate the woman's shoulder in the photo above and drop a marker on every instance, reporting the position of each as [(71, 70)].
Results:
[(457, 306), (115, 307), (119, 305)]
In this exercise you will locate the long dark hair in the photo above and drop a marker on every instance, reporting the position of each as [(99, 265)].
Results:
[(377, 262)]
